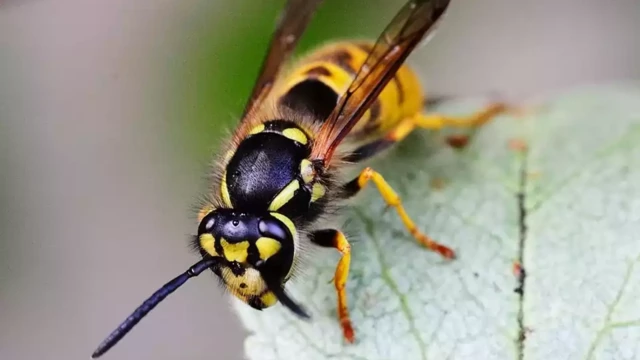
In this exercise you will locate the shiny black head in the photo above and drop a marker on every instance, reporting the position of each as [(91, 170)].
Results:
[(249, 239), (257, 254)]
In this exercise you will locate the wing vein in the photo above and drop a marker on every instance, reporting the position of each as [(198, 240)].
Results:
[(415, 20)]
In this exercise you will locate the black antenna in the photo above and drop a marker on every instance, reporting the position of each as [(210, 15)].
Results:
[(151, 303), (278, 290)]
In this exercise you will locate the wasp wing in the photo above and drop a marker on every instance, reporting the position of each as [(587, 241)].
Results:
[(394, 45), (292, 23)]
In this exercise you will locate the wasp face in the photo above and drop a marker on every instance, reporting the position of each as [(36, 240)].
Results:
[(255, 249)]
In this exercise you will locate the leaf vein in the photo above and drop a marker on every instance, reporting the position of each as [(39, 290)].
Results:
[(388, 279), (607, 324)]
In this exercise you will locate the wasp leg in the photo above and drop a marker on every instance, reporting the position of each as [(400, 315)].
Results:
[(439, 121), (336, 239), (475, 120), (392, 199), (431, 122), (479, 118)]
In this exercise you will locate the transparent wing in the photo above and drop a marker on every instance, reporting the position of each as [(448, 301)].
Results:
[(292, 23), (400, 37)]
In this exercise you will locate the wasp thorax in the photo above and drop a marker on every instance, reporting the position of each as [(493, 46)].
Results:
[(253, 247)]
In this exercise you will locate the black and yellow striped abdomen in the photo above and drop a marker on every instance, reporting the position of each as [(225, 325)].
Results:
[(316, 80)]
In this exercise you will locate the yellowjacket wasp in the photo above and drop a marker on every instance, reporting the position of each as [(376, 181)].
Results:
[(280, 173)]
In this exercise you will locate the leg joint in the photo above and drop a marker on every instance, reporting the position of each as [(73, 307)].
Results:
[(366, 175)]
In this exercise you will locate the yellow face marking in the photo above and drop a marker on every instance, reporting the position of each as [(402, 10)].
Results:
[(235, 252), (257, 129), (306, 171), (268, 299), (247, 286), (224, 191), (284, 196), (207, 243), (267, 247), (296, 135), (317, 192)]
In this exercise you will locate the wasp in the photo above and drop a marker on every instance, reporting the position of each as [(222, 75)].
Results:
[(280, 173)]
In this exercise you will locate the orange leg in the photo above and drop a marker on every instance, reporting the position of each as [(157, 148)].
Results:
[(439, 121), (392, 199), (433, 122), (336, 239)]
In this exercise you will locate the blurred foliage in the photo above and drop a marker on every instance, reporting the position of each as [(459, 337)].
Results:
[(224, 64)]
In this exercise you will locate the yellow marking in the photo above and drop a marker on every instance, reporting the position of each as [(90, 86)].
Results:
[(287, 222), (224, 191), (317, 192), (235, 252), (268, 299), (338, 81), (292, 229), (257, 129), (228, 155), (392, 199), (267, 247), (247, 286), (204, 212), (253, 283), (284, 196), (296, 135), (306, 171), (207, 242)]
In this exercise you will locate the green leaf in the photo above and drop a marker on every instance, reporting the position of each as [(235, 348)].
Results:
[(568, 208)]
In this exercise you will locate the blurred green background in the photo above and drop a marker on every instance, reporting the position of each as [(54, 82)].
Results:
[(110, 112)]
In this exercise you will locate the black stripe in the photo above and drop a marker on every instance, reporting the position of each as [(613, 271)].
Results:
[(369, 150), (318, 71), (324, 238), (343, 59)]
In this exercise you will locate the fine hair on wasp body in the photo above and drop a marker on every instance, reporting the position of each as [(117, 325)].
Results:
[(280, 173)]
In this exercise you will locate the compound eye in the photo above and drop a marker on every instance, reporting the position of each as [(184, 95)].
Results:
[(207, 224), (274, 229)]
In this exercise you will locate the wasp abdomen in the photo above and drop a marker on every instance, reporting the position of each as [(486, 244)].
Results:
[(315, 84)]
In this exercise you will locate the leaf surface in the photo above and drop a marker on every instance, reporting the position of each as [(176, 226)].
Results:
[(567, 208)]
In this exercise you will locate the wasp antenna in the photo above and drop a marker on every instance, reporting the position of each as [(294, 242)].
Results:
[(286, 300), (151, 303)]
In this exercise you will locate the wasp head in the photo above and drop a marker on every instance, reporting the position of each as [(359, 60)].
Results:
[(257, 253)]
